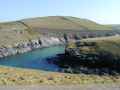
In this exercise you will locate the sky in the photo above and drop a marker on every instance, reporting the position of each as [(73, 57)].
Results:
[(100, 11)]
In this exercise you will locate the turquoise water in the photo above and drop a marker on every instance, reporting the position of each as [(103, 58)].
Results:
[(36, 59)]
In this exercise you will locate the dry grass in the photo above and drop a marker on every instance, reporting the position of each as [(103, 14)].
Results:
[(15, 32), (65, 22), (15, 76), (109, 44), (22, 31)]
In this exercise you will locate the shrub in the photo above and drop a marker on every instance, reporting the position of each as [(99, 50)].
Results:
[(71, 45)]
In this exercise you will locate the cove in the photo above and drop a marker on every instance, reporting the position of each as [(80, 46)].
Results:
[(36, 59)]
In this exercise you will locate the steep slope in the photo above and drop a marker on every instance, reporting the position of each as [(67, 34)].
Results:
[(90, 25), (24, 30), (14, 32), (52, 22)]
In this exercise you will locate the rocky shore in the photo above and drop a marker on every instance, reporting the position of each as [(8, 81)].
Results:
[(92, 56), (17, 48)]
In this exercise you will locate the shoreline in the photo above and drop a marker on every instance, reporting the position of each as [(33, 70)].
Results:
[(31, 45)]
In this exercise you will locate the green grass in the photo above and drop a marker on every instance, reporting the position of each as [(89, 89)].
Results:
[(90, 25), (15, 32), (65, 22), (108, 44), (24, 30)]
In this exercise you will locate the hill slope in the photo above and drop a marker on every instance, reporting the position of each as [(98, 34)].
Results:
[(14, 32), (64, 22), (24, 30)]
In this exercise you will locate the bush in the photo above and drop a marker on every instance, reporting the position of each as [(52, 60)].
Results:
[(71, 45)]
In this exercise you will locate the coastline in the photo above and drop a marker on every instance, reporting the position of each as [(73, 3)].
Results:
[(19, 48)]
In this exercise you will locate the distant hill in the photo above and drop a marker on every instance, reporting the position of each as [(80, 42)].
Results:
[(24, 30), (64, 22)]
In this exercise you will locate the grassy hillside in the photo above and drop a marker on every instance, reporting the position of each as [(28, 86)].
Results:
[(14, 32), (95, 45), (105, 44), (64, 22), (108, 44), (23, 30), (90, 25)]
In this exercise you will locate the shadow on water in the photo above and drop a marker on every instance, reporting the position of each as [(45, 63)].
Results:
[(77, 66), (53, 59)]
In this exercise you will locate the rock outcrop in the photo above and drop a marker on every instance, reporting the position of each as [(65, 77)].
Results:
[(92, 54), (17, 48)]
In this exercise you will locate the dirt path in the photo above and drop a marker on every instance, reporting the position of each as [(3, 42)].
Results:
[(72, 87)]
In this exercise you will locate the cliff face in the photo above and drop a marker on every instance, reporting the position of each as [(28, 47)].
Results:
[(25, 35), (43, 41), (91, 54)]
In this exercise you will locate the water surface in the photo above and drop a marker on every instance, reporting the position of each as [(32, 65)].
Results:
[(36, 59)]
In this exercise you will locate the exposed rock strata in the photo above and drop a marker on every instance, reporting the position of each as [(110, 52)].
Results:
[(41, 42)]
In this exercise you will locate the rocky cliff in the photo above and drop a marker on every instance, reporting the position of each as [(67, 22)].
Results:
[(17, 48), (96, 55), (24, 35)]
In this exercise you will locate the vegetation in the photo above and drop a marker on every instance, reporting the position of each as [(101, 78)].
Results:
[(15, 32), (91, 54), (90, 25), (65, 22), (27, 29), (16, 76), (71, 45)]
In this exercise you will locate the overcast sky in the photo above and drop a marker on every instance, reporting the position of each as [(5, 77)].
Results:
[(101, 11)]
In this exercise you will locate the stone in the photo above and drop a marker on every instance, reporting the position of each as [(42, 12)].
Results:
[(23, 47)]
